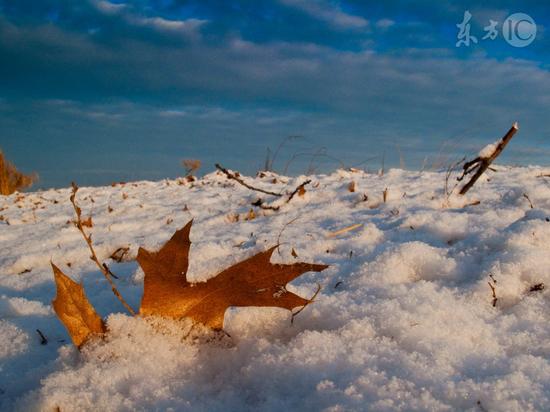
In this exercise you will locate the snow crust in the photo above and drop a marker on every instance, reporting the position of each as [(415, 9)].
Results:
[(404, 321)]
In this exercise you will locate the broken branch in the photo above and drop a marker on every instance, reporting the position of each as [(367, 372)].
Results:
[(298, 188), (236, 178), (481, 164)]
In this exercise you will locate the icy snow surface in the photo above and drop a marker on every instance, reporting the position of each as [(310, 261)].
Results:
[(404, 321)]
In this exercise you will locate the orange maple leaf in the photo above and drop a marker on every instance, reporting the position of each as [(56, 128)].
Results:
[(253, 282)]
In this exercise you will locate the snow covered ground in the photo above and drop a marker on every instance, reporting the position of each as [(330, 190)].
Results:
[(404, 321)]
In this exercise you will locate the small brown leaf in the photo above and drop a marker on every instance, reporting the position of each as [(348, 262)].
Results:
[(87, 222), (293, 253), (301, 191), (351, 186), (75, 311), (253, 282), (250, 215)]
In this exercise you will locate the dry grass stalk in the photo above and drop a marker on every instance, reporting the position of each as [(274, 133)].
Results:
[(452, 167), (191, 166), (11, 179), (526, 196), (102, 266), (344, 230)]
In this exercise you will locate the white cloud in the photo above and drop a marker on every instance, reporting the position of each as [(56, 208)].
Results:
[(108, 7), (188, 26), (329, 13), (160, 23), (385, 23)]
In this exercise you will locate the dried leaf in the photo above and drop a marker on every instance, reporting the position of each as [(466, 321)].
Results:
[(87, 222), (252, 282), (232, 217), (250, 215), (75, 311), (301, 191), (351, 186)]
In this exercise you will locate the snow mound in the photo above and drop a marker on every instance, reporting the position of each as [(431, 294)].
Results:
[(406, 318)]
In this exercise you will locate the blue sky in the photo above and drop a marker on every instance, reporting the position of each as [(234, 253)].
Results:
[(99, 91)]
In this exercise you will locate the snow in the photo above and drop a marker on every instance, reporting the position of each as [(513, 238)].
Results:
[(488, 150), (404, 320)]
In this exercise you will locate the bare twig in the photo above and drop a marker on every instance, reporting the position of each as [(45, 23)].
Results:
[(298, 188), (233, 176), (118, 255), (525, 195), (236, 178), (493, 289), (260, 203), (102, 266), (480, 165)]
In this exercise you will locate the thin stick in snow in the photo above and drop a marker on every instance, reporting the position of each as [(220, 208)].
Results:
[(236, 178), (298, 188), (493, 287), (102, 266), (345, 230), (480, 164)]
